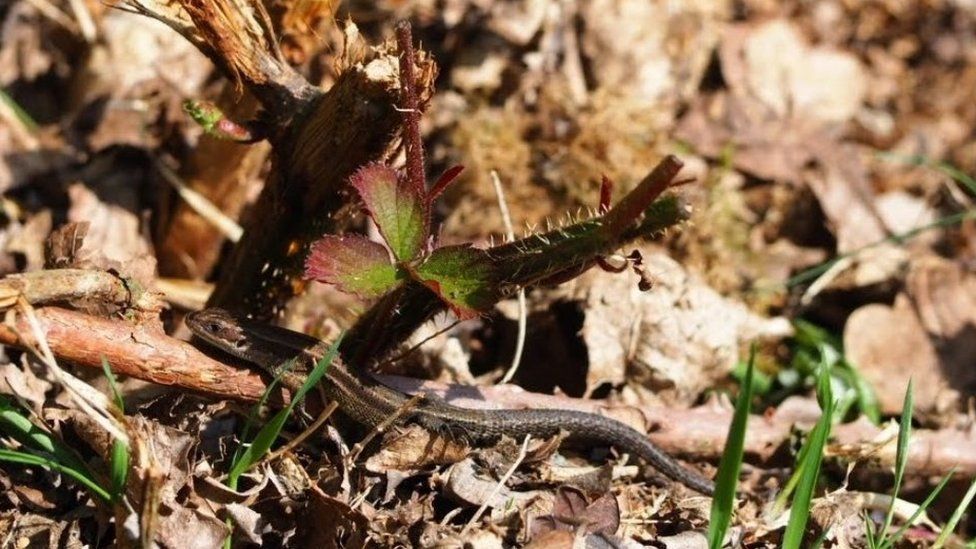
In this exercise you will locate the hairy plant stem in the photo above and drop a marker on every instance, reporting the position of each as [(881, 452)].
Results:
[(410, 108), (530, 261)]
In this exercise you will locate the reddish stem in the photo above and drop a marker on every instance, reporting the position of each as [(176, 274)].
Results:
[(630, 208), (606, 193), (410, 108)]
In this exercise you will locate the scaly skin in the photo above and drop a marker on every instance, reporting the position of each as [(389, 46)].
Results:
[(369, 402)]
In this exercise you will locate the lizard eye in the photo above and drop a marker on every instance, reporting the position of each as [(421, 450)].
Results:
[(213, 327)]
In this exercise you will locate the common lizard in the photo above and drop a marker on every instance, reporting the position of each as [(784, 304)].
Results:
[(368, 401)]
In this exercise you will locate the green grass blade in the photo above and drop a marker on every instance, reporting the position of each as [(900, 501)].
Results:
[(19, 112), (810, 464), (119, 469), (728, 468), (81, 476), (252, 417), (269, 433), (784, 495), (870, 535), (817, 270), (113, 386), (890, 542), (119, 461), (18, 427), (944, 167), (901, 457), (950, 526), (867, 399)]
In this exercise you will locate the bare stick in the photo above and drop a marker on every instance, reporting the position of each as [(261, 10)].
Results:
[(293, 443), (498, 487), (382, 427)]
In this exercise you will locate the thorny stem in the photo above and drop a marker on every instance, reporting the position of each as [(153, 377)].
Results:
[(619, 218), (410, 108)]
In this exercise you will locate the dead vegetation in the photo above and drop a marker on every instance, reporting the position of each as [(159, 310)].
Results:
[(826, 148)]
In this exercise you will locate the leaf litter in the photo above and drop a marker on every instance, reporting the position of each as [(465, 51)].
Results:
[(782, 111)]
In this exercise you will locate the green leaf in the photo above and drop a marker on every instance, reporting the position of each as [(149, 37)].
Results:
[(119, 462), (80, 475), (16, 425), (113, 386), (901, 455), (269, 433), (354, 264), (950, 526), (462, 276), (41, 449), (922, 507), (809, 467), (401, 212), (119, 469), (728, 468)]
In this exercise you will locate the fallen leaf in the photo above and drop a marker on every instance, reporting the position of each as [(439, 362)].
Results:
[(889, 346), (680, 337), (466, 485), (413, 448), (115, 240)]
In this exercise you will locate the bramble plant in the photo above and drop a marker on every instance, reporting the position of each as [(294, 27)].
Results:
[(466, 279)]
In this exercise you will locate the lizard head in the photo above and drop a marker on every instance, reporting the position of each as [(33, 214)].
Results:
[(220, 328)]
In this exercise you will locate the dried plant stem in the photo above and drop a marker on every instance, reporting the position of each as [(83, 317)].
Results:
[(382, 427), (87, 399), (520, 295), (498, 487), (311, 430), (200, 204)]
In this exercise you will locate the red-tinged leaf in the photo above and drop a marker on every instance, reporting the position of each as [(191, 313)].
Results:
[(353, 264), (444, 181), (462, 276), (400, 211)]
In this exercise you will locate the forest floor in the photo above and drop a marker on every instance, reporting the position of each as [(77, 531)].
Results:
[(829, 153)]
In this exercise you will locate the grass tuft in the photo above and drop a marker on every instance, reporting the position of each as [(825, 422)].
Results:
[(727, 479)]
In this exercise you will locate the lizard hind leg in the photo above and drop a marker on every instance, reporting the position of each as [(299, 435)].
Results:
[(450, 431)]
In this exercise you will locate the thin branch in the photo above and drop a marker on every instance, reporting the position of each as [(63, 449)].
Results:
[(383, 426), (146, 353), (498, 486)]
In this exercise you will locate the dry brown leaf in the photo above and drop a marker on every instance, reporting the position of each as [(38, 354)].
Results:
[(191, 529), (685, 540), (412, 449), (555, 539), (679, 337), (781, 117), (572, 510), (644, 50), (890, 346), (63, 245), (944, 296), (247, 522), (772, 63), (517, 21), (24, 383), (467, 485), (114, 240), (140, 63), (27, 239)]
